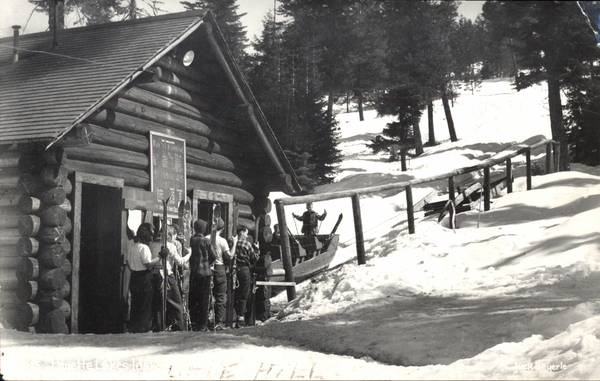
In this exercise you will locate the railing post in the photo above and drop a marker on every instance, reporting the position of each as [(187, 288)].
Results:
[(556, 157), (486, 188), (286, 252), (509, 176), (410, 209), (358, 231), (549, 157), (528, 169), (451, 195)]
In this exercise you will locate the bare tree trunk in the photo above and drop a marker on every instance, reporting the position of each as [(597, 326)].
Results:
[(359, 97), (448, 113), (403, 159), (418, 140), (330, 107), (430, 123), (556, 121), (132, 9)]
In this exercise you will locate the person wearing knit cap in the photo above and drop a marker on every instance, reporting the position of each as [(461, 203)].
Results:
[(203, 255), (219, 274)]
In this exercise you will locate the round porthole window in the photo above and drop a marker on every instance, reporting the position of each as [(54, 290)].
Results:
[(188, 58)]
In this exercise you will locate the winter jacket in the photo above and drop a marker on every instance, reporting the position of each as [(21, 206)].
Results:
[(203, 255)]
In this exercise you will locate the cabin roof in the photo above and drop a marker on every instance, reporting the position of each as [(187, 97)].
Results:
[(52, 89)]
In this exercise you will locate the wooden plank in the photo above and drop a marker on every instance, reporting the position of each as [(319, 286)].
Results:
[(286, 255), (76, 256), (462, 196), (358, 231), (267, 283)]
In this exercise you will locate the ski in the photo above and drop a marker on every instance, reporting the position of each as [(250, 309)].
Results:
[(253, 287), (337, 224), (184, 228), (164, 265), (216, 213), (231, 280)]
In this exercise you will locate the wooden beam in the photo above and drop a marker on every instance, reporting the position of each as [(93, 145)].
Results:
[(239, 195), (124, 122), (100, 154), (176, 93), (410, 211), (152, 99), (358, 230), (486, 189), (117, 138), (212, 175), (286, 254), (131, 177)]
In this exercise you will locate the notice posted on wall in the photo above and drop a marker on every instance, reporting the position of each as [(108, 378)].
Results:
[(167, 170)]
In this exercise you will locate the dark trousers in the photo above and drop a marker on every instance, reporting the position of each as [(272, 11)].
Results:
[(140, 286), (219, 292), (199, 299), (174, 301), (243, 291)]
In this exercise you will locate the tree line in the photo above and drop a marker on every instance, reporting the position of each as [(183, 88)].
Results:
[(397, 57)]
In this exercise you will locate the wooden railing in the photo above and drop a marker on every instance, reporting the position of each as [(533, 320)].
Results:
[(552, 152)]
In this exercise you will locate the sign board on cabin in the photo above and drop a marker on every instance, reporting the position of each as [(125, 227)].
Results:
[(167, 171)]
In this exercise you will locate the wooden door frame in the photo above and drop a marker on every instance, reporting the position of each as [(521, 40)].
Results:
[(224, 198), (80, 179)]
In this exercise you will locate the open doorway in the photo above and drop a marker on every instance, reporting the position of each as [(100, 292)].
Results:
[(100, 260), (205, 212)]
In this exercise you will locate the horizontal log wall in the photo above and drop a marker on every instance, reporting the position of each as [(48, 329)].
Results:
[(171, 102)]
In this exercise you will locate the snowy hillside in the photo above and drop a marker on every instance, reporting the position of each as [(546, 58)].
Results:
[(513, 293)]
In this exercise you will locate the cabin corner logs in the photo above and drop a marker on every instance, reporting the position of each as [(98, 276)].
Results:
[(37, 183)]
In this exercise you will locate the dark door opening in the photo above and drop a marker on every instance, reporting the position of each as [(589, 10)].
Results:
[(205, 212), (100, 309)]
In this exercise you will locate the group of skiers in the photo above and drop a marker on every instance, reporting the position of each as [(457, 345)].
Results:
[(197, 280)]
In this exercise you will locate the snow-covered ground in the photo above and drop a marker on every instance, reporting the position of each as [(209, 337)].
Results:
[(513, 293)]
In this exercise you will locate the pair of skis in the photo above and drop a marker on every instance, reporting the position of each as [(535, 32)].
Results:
[(184, 225), (184, 214)]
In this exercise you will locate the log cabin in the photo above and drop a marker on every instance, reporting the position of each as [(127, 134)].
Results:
[(99, 125)]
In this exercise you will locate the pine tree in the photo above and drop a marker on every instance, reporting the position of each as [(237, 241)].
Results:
[(92, 12), (467, 46), (552, 41), (401, 135), (583, 105), (419, 59), (285, 78), (229, 21)]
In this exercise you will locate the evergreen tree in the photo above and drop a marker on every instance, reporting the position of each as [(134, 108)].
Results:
[(350, 38), (401, 135), (92, 12), (419, 58), (285, 77), (583, 105), (467, 46), (552, 42), (228, 19)]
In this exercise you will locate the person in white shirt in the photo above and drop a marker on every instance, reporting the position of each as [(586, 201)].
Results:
[(219, 274), (140, 262)]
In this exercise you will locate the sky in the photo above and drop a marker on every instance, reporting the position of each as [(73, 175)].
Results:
[(511, 294), (17, 12)]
